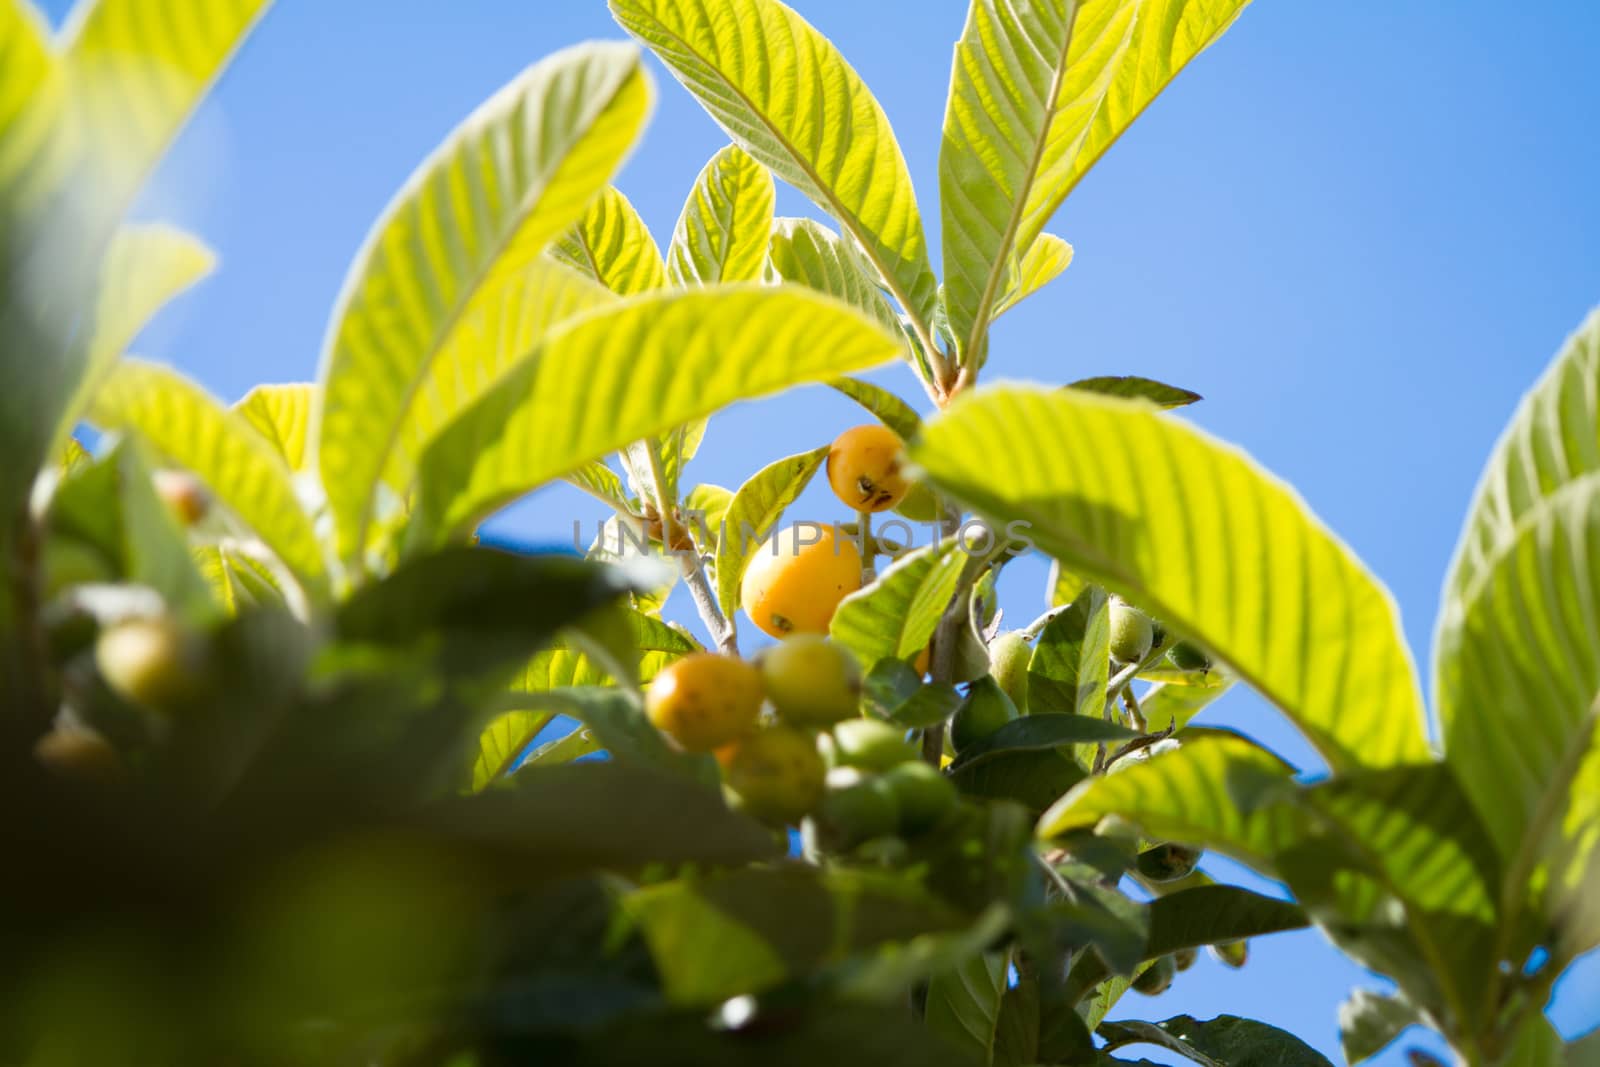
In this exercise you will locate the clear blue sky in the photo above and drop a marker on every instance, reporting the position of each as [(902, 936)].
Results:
[(1360, 229)]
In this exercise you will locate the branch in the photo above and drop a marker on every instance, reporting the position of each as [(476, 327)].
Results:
[(694, 574)]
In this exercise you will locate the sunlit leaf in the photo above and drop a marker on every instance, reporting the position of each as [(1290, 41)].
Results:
[(890, 409), (1071, 662), (753, 514), (238, 467), (502, 742), (1025, 85), (1044, 261), (1168, 704), (722, 232), (282, 414), (565, 665), (896, 615), (238, 580), (783, 92), (612, 245), (451, 287), (1211, 544), (624, 374), (806, 252)]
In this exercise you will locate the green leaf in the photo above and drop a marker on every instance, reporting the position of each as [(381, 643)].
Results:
[(1071, 663), (963, 1004), (282, 414), (1226, 1041), (612, 245), (896, 615), (600, 482), (619, 726), (239, 468), (890, 409), (626, 373), (1173, 704), (1215, 914), (754, 513), (31, 94), (784, 93), (807, 253), (1136, 388), (1199, 535), (238, 580), (722, 232), (927, 705), (563, 665), (505, 738), (1025, 84), (1044, 261), (705, 508), (1016, 1038), (1034, 778), (451, 288), (1517, 657), (1369, 1022), (747, 931), (1037, 732)]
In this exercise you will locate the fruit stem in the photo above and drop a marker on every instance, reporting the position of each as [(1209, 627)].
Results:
[(869, 571), (721, 628)]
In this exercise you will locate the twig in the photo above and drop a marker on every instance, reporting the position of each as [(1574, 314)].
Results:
[(1135, 713), (869, 570), (694, 575)]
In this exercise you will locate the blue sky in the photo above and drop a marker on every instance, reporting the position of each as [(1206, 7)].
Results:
[(1360, 229)]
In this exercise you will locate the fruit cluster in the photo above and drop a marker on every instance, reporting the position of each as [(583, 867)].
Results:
[(812, 755)]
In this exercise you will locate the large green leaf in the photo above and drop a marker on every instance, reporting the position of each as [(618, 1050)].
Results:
[(193, 430), (31, 90), (1211, 544), (963, 1004), (1025, 85), (722, 233), (1517, 661), (1071, 663), (806, 252), (896, 615), (612, 245), (784, 93), (625, 373), (754, 513), (451, 287), (282, 414)]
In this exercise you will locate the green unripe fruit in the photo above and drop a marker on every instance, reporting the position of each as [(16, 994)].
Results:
[(985, 709), (1185, 958), (811, 681), (858, 807), (1132, 633), (1233, 954), (871, 745), (1009, 656), (153, 663), (1168, 862), (923, 795), (1156, 978), (971, 659), (775, 774), (1189, 657)]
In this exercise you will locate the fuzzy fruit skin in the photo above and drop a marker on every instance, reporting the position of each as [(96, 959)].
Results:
[(923, 794), (184, 494), (705, 700), (79, 754), (857, 807), (1132, 632), (149, 662), (864, 468), (985, 709), (791, 588), (1009, 656), (811, 681), (1189, 657), (1168, 862), (1157, 978), (775, 773), (871, 745)]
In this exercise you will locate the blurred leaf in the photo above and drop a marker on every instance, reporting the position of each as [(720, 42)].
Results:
[(238, 580), (502, 742), (895, 969), (982, 855), (890, 409), (963, 1004), (1016, 1038), (1369, 1022), (1044, 261), (1025, 84), (747, 931), (783, 92), (426, 326), (1034, 778), (1036, 732), (191, 429), (618, 723), (652, 363), (32, 92), (282, 414), (612, 245), (1071, 662), (1103, 918), (806, 252), (897, 614), (1206, 541), (1136, 388), (564, 664), (600, 482), (889, 683), (927, 706), (1062, 587), (1226, 1041), (721, 235), (754, 513)]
